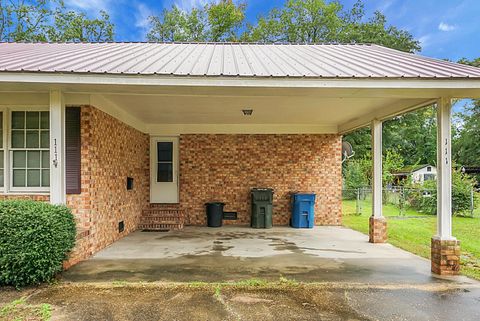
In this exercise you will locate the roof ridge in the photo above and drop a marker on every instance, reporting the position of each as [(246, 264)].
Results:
[(195, 42)]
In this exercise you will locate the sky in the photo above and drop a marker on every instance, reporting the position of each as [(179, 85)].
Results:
[(446, 28)]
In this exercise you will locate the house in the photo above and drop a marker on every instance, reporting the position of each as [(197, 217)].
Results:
[(417, 173), (141, 135)]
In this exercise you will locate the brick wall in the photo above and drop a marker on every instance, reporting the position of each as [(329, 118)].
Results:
[(111, 151), (225, 168)]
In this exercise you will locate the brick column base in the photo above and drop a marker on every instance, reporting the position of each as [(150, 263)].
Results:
[(378, 230), (445, 257)]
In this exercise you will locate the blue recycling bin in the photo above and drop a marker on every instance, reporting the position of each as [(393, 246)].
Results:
[(303, 210)]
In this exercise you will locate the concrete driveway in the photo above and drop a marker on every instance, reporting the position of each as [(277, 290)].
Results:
[(235, 253), (342, 277)]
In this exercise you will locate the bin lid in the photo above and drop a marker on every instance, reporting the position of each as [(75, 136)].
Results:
[(215, 203), (259, 189), (303, 193)]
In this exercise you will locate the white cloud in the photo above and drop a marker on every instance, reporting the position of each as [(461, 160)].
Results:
[(187, 5), (425, 41), (385, 5), (446, 27), (142, 15), (91, 6)]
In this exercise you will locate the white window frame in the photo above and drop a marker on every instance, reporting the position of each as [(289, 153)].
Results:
[(8, 151)]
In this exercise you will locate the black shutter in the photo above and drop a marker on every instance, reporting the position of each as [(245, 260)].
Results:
[(72, 150)]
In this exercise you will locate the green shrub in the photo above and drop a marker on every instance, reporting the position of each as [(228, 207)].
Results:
[(35, 239), (355, 176), (461, 195)]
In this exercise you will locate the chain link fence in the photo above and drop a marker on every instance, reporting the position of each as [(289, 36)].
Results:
[(397, 200)]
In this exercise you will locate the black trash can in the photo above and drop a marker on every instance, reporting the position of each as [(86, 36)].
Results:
[(214, 214)]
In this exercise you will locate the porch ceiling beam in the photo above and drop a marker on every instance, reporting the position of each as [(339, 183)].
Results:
[(384, 114)]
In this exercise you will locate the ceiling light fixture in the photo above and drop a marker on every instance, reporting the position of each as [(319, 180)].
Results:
[(247, 112)]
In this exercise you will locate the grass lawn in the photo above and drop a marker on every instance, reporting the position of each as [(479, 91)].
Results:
[(414, 230)]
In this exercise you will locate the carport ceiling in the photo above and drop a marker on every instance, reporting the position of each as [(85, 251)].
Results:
[(332, 111)]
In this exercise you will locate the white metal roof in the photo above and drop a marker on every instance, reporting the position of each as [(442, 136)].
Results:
[(227, 59)]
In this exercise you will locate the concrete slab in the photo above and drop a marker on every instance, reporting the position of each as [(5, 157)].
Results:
[(235, 253)]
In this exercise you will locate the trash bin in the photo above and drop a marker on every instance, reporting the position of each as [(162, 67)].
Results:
[(303, 210), (214, 214), (262, 207)]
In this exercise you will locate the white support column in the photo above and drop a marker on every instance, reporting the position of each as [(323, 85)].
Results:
[(376, 128), (57, 148), (444, 170)]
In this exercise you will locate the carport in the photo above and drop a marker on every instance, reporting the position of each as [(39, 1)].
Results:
[(205, 96)]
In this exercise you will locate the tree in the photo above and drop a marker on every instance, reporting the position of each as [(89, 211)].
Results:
[(178, 25), (313, 21), (225, 18), (306, 21), (214, 22), (413, 135), (44, 20), (24, 20), (73, 26), (466, 143)]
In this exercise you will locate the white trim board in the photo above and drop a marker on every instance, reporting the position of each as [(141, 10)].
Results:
[(157, 80)]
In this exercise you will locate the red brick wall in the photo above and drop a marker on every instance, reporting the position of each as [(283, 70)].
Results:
[(111, 151), (225, 168)]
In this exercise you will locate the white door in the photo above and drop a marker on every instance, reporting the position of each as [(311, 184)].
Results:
[(164, 170)]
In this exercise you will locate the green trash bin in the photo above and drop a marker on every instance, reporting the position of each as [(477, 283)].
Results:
[(262, 207)]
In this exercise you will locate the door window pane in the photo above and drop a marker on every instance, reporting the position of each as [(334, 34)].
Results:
[(164, 172), (164, 151)]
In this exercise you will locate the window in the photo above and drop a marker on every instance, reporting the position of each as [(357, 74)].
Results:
[(30, 150), (164, 162), (428, 177), (429, 168)]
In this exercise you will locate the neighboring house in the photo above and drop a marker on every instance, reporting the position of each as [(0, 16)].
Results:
[(140, 135), (417, 173)]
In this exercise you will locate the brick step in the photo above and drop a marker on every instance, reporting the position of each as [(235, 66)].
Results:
[(162, 212), (159, 220), (167, 206), (161, 227), (176, 216)]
